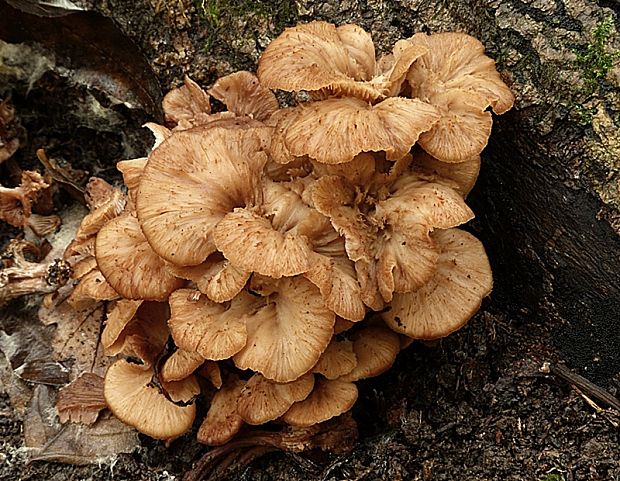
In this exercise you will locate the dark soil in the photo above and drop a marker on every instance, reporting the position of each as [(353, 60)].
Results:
[(472, 407)]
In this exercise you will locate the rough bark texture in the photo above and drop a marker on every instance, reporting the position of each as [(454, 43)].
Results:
[(547, 210)]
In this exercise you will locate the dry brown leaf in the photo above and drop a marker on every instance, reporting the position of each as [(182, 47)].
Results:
[(82, 400)]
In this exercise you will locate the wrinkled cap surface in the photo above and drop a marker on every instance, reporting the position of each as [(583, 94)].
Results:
[(215, 331), (457, 61), (452, 296), (191, 182), (180, 365), (262, 400), (334, 131), (133, 399), (129, 264)]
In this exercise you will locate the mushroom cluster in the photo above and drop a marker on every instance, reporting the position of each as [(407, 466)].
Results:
[(290, 252)]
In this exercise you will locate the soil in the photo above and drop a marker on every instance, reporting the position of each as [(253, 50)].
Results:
[(475, 406)]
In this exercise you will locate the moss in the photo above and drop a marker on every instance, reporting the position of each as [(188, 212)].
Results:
[(552, 477), (596, 61), (219, 13)]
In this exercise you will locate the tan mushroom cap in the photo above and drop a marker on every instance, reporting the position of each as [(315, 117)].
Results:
[(129, 264), (180, 365), (145, 335), (463, 129), (319, 55), (215, 331), (242, 94), (222, 421), (406, 255), (454, 294), (16, 203), (457, 60), (334, 274), (337, 360), (187, 105), (102, 211), (134, 400), (211, 371), (217, 278), (262, 400), (92, 287), (376, 349), (132, 171), (359, 171), (334, 131), (121, 314), (191, 182), (462, 175), (288, 334), (393, 71), (328, 399), (342, 325), (275, 243)]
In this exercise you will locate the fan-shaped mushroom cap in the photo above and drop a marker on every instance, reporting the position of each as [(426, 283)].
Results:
[(328, 399), (288, 334), (211, 371), (337, 360), (334, 131), (342, 325), (359, 171), (102, 211), (245, 96), (191, 182), (180, 365), (133, 399), (145, 336), (274, 244), (215, 331), (262, 400), (317, 56), (457, 60), (217, 278), (129, 264), (463, 278), (334, 274), (463, 175), (187, 105), (121, 314), (132, 171), (406, 255), (92, 287), (222, 421), (463, 129), (376, 349)]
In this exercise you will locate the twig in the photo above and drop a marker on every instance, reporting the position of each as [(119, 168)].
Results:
[(585, 385)]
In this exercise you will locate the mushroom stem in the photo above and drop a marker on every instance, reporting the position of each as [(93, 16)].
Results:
[(23, 277)]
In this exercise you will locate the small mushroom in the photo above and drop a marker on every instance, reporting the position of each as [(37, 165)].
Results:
[(161, 413), (245, 96), (262, 400), (288, 333), (222, 421), (463, 278), (328, 399), (129, 264), (461, 176), (337, 360), (375, 349), (187, 106), (180, 365), (215, 331)]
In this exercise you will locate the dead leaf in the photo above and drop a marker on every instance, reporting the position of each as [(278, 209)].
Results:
[(45, 8), (77, 336), (95, 51), (73, 443), (82, 400), (30, 357)]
